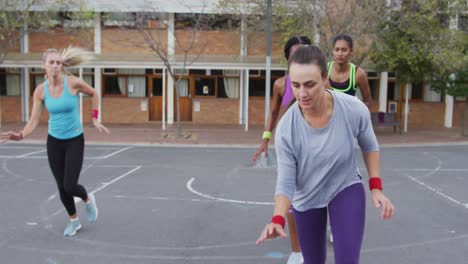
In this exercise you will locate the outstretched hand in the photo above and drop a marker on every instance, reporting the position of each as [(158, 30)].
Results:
[(263, 148), (10, 135), (381, 201), (100, 126), (271, 231)]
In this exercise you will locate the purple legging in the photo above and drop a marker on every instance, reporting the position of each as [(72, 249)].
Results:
[(347, 217)]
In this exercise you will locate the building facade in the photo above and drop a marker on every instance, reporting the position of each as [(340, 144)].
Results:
[(222, 81)]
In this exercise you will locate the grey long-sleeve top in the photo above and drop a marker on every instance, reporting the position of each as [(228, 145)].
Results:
[(316, 164)]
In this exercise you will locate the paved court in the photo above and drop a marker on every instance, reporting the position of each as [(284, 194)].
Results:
[(208, 205)]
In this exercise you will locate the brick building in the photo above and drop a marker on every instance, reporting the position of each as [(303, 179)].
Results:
[(224, 85)]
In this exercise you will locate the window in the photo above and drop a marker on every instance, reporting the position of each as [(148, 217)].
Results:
[(157, 88), (417, 91), (10, 82), (205, 86), (392, 91), (257, 82), (218, 84), (125, 82), (374, 84)]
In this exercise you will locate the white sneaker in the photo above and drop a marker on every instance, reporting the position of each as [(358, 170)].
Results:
[(295, 258)]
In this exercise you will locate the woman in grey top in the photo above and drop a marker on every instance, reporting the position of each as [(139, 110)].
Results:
[(317, 171)]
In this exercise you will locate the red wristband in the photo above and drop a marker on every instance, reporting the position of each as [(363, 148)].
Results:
[(375, 183), (278, 219), (95, 113)]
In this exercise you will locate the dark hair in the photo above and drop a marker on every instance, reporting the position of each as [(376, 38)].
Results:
[(310, 55), (294, 41), (344, 37)]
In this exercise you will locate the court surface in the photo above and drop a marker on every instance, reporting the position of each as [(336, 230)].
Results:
[(208, 205)]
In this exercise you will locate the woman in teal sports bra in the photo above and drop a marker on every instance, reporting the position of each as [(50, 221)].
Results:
[(65, 141), (344, 76)]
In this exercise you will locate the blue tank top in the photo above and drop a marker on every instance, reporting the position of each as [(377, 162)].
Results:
[(64, 116)]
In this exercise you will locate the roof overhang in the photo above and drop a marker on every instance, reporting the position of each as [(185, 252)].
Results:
[(148, 61)]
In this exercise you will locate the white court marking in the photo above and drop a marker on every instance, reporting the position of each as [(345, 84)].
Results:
[(103, 186), (432, 189), (207, 196), (31, 153)]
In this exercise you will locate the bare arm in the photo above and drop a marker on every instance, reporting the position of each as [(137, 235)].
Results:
[(33, 121), (278, 90), (363, 84), (38, 106), (79, 85), (372, 161)]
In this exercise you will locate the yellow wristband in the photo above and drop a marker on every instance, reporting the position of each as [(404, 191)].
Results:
[(266, 135)]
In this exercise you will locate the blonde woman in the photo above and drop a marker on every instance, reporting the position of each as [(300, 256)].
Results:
[(65, 141)]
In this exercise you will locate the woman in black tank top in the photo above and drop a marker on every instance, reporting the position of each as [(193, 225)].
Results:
[(344, 76)]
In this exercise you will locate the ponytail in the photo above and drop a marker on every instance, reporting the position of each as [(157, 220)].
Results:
[(71, 56)]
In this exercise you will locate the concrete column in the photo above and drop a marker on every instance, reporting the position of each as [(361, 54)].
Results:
[(448, 111), (408, 87), (170, 57), (383, 89), (449, 101), (25, 94), (97, 34), (243, 54), (164, 79), (246, 96)]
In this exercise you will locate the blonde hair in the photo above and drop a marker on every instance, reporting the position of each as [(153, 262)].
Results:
[(71, 56)]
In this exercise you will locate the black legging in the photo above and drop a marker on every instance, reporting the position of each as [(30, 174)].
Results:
[(65, 161)]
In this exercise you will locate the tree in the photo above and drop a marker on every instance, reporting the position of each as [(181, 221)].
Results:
[(20, 17), (454, 82), (321, 20), (16, 19), (417, 43), (154, 28)]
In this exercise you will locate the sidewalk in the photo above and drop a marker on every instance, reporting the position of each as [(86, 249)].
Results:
[(232, 135)]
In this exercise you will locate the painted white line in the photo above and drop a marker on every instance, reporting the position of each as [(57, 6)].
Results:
[(30, 153), (190, 188), (453, 200), (158, 198), (104, 185), (116, 152)]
